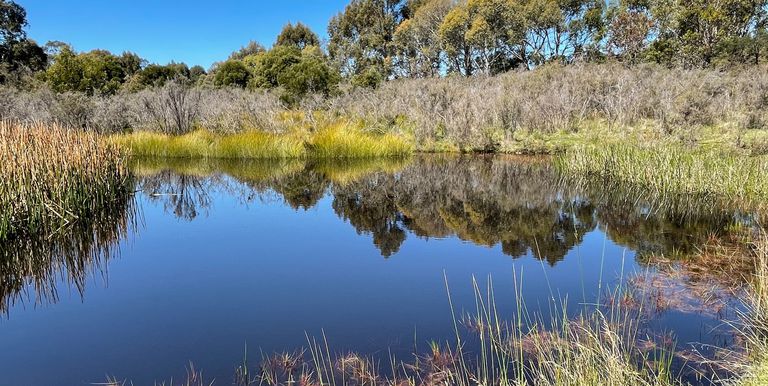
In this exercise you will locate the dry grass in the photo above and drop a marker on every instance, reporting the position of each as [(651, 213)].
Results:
[(52, 177)]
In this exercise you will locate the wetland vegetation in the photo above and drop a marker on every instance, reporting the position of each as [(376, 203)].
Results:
[(616, 149)]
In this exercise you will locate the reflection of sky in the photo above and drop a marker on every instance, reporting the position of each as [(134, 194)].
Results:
[(264, 274)]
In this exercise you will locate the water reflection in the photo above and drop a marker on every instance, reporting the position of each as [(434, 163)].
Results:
[(521, 204), (263, 251), (32, 268)]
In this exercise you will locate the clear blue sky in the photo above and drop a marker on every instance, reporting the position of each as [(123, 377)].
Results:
[(194, 32)]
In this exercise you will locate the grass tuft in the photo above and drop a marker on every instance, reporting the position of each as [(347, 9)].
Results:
[(330, 142), (673, 170), (755, 320)]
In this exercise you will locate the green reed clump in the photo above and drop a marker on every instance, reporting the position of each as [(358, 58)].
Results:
[(52, 177), (672, 170)]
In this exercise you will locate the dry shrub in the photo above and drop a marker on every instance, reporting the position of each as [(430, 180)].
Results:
[(479, 113)]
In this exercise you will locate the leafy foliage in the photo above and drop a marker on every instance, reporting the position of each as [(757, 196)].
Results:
[(232, 73), (18, 55), (298, 35), (95, 72)]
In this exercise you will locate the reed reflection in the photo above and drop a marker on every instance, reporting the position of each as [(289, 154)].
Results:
[(33, 268)]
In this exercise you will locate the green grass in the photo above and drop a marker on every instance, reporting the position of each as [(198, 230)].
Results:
[(673, 170), (754, 320)]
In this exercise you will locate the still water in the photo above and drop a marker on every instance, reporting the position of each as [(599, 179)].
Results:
[(214, 257)]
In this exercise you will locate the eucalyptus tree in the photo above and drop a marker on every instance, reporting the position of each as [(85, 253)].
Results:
[(298, 35), (418, 40), (692, 33), (362, 36)]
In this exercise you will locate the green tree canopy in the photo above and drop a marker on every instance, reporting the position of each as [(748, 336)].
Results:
[(693, 33), (157, 75), (232, 73), (18, 55), (252, 48), (363, 35), (95, 72), (268, 66), (298, 35)]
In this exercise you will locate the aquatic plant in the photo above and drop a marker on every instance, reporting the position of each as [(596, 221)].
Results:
[(753, 364), (598, 347), (65, 201), (666, 172), (52, 177)]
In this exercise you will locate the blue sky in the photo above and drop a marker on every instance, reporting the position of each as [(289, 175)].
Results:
[(194, 32)]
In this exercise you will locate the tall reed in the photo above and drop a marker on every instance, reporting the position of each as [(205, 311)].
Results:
[(52, 177)]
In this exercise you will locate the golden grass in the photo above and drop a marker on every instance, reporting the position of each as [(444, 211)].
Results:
[(346, 142), (204, 144), (53, 177), (332, 141)]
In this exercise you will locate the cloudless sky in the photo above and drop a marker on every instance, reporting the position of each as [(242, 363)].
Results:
[(194, 32)]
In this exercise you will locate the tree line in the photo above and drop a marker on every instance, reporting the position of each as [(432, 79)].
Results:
[(372, 41)]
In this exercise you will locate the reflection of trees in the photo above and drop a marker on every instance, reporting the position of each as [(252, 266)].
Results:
[(519, 204), (181, 194), (485, 200), (31, 266), (675, 226), (301, 190), (370, 207)]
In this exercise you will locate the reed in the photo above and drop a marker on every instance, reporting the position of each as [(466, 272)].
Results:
[(599, 347), (672, 170), (54, 177)]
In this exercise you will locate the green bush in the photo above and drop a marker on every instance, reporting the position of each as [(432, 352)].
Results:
[(232, 73)]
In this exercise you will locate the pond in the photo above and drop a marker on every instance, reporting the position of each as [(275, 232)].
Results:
[(219, 260)]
